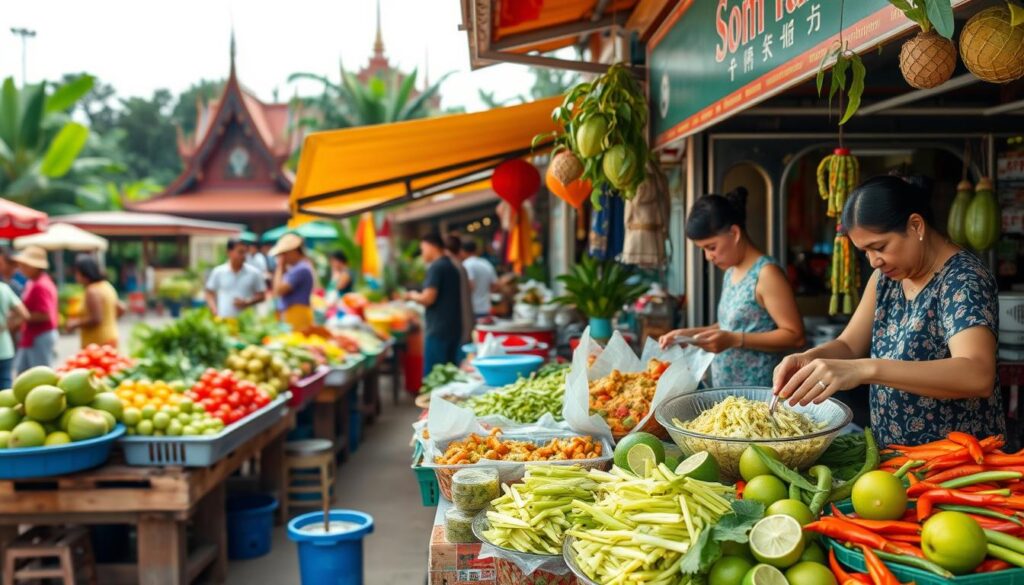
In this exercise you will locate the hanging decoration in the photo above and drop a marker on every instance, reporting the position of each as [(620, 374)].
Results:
[(646, 228), (519, 11), (928, 59), (604, 128), (838, 174), (564, 178), (520, 241), (992, 43), (515, 181), (366, 237)]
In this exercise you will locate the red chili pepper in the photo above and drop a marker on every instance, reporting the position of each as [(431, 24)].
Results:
[(997, 525), (886, 527), (1001, 460), (971, 443), (927, 501), (962, 455), (921, 487), (907, 538), (880, 574), (842, 576), (909, 516), (843, 530), (992, 565), (943, 444), (912, 479), (956, 472), (862, 578), (740, 486)]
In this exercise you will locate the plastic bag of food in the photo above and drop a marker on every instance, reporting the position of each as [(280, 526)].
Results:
[(523, 568), (687, 367)]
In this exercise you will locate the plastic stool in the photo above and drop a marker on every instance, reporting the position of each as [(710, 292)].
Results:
[(310, 466), (24, 559)]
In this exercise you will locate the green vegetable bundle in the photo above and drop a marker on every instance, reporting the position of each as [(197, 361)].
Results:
[(180, 350), (654, 529), (527, 399), (532, 517), (440, 375)]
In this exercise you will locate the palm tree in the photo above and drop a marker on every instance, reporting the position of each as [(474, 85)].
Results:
[(40, 144), (351, 103)]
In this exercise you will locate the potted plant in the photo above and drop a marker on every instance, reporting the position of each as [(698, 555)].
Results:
[(174, 291), (599, 289)]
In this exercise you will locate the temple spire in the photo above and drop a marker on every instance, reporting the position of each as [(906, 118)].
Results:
[(378, 43), (232, 51)]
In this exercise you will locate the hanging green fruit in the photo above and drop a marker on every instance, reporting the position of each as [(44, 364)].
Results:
[(590, 137), (838, 175), (957, 223), (984, 217)]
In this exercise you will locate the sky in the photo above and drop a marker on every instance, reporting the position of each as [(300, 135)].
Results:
[(139, 46)]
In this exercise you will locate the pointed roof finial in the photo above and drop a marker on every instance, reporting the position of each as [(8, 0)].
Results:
[(232, 50), (378, 43)]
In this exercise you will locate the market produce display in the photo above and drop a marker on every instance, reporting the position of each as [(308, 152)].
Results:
[(300, 361), (623, 400), (160, 408), (532, 517), (441, 375), (328, 351), (492, 447), (950, 507), (740, 417), (528, 399), (365, 341), (226, 397), (180, 350), (103, 360), (44, 408), (473, 489), (261, 366)]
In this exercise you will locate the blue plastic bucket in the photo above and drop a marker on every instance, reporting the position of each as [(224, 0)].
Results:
[(331, 559), (250, 525), (355, 430)]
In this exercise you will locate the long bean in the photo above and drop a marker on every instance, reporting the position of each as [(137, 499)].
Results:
[(784, 473), (979, 511), (983, 477), (1005, 554), (923, 564), (824, 475)]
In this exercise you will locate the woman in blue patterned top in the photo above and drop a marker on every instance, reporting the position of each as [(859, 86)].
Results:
[(757, 314), (925, 333)]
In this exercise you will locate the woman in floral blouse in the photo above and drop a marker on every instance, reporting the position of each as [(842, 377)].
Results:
[(925, 333), (757, 315)]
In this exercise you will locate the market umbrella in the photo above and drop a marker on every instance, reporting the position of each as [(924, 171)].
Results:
[(17, 220), (314, 230), (63, 236)]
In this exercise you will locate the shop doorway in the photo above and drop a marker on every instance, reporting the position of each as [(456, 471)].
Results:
[(758, 184)]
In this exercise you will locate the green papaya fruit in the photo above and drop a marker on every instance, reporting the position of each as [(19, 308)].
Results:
[(984, 218), (620, 166), (956, 224), (590, 136)]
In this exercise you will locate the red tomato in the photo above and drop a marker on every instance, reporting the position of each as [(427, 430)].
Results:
[(234, 399), (218, 393)]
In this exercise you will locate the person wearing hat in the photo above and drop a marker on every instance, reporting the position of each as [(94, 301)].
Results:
[(293, 282), (39, 335)]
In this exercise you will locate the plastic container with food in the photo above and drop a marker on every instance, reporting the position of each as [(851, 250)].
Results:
[(473, 489), (796, 451), (458, 526)]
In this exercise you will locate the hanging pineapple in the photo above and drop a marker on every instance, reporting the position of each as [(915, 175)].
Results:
[(928, 59), (838, 175)]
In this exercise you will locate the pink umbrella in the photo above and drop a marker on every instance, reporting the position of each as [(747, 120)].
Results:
[(17, 220)]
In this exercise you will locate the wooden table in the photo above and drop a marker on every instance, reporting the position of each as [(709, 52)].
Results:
[(331, 412), (160, 501)]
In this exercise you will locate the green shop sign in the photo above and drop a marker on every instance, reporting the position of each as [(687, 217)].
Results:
[(713, 58)]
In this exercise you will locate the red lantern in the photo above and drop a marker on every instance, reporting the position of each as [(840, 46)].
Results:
[(515, 181), (577, 192)]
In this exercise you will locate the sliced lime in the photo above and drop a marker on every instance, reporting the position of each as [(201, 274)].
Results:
[(640, 459), (764, 575), (701, 465), (777, 540)]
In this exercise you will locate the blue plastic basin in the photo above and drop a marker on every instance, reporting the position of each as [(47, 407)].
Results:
[(331, 559), (57, 459), (250, 525), (501, 370)]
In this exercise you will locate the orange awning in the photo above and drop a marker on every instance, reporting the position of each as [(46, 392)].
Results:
[(345, 172)]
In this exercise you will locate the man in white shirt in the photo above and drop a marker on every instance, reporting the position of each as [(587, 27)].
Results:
[(482, 278), (235, 285)]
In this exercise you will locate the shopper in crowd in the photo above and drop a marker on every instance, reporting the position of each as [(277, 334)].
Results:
[(442, 297), (101, 309), (341, 275), (235, 285), (13, 315), (483, 278), (758, 320), (293, 282), (39, 334), (453, 249), (253, 256), (924, 336), (10, 274), (264, 249)]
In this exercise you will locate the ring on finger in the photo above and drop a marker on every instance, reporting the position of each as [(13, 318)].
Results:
[(822, 384)]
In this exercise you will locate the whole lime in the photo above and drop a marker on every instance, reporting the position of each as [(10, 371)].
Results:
[(751, 465), (954, 541), (766, 489), (9, 418), (737, 549), (794, 508), (813, 553), (729, 571), (764, 575), (879, 495), (807, 573)]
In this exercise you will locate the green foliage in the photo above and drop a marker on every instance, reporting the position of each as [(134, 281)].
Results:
[(405, 270), (599, 288), (177, 288), (846, 61), (349, 103), (928, 14), (180, 350), (733, 527)]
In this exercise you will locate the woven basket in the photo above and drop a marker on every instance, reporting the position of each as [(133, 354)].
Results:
[(991, 48), (509, 574), (927, 60), (566, 167)]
